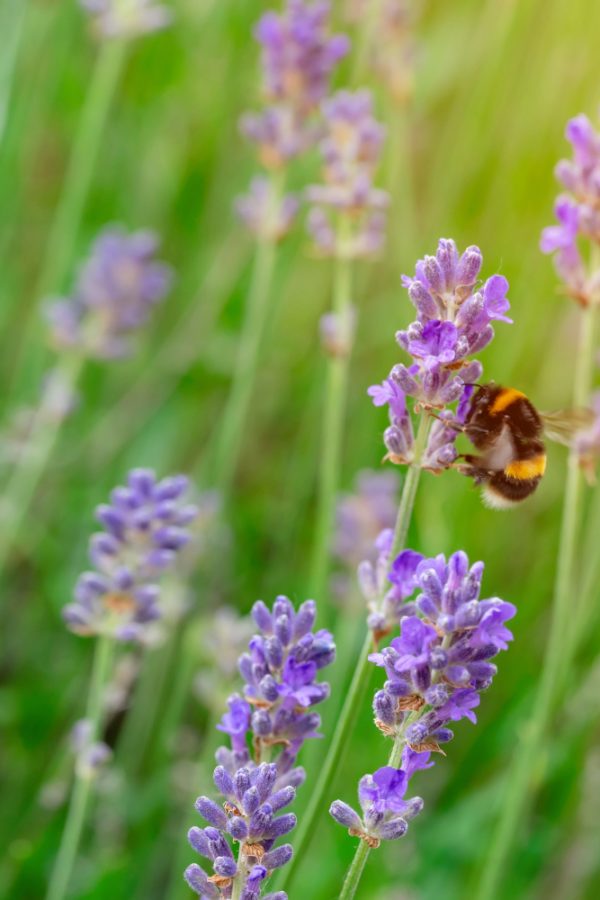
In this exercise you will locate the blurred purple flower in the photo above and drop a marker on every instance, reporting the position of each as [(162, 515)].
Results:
[(350, 149), (116, 290), (361, 515), (578, 212), (146, 525)]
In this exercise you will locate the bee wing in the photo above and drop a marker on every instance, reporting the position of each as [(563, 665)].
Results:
[(563, 424)]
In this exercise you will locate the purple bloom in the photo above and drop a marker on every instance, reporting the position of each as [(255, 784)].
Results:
[(578, 212), (350, 150), (587, 441), (383, 791), (280, 671), (116, 290), (118, 19), (263, 213), (455, 317), (146, 527), (298, 56)]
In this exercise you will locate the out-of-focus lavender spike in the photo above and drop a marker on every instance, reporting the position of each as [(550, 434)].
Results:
[(350, 149), (116, 289), (143, 537)]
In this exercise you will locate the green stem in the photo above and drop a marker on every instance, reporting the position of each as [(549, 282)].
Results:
[(360, 680), (355, 871), (557, 656), (31, 465), (67, 853), (11, 21), (74, 192), (230, 437), (334, 409)]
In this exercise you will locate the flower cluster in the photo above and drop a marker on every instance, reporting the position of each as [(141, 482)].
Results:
[(280, 691), (350, 150), (385, 812), (118, 286), (435, 671), (90, 755), (298, 57), (578, 211), (455, 316), (126, 18), (146, 526)]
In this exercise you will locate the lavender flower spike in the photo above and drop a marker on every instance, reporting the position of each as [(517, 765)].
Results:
[(350, 150), (577, 211), (455, 321), (116, 290), (436, 670), (146, 527), (126, 18), (279, 669)]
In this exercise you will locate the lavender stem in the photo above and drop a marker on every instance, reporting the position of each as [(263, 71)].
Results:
[(230, 437), (30, 467), (334, 409), (557, 658), (67, 853), (358, 686)]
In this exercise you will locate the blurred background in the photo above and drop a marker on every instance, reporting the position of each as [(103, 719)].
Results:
[(470, 154)]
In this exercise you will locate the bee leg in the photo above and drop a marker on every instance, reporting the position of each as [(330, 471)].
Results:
[(472, 467)]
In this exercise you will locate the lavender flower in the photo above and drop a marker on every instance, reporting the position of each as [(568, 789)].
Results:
[(385, 812), (578, 211), (337, 331), (91, 755), (350, 150), (436, 670), (279, 669), (298, 57), (263, 214), (146, 526), (126, 18), (454, 322), (116, 290)]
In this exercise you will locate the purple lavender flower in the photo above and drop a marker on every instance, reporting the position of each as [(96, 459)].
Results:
[(280, 669), (578, 212), (263, 214), (587, 442), (361, 516), (385, 812), (436, 670), (337, 331), (116, 290), (454, 321), (350, 150), (447, 638), (90, 755), (146, 527), (298, 57), (126, 18)]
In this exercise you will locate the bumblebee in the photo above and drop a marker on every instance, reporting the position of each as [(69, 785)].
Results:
[(508, 431)]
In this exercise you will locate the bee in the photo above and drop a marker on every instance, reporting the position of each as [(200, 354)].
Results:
[(507, 429)]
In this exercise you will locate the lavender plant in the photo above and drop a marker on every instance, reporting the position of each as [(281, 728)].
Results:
[(274, 716), (117, 286), (299, 55), (575, 243), (346, 222), (454, 320), (146, 526), (436, 670)]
